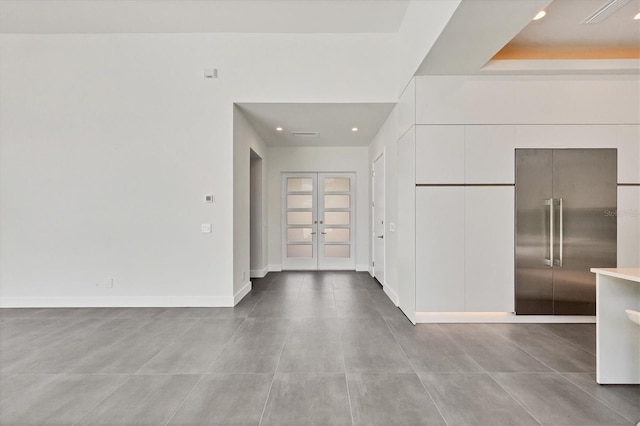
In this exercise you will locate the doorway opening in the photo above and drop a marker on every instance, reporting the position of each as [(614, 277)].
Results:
[(318, 214), (257, 256)]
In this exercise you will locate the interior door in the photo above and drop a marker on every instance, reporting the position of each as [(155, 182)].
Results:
[(299, 221), (336, 205), (378, 219), (318, 221)]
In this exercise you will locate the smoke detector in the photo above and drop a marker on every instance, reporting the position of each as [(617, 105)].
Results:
[(605, 11)]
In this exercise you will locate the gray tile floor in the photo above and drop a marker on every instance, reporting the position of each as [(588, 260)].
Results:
[(301, 349)]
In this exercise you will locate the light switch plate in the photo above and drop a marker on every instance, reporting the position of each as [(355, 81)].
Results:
[(392, 227), (205, 228)]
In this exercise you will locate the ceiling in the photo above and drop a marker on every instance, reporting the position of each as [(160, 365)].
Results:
[(562, 34), (332, 122), (201, 16)]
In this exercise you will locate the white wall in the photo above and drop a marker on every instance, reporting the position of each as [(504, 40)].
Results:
[(245, 140), (308, 159), (109, 142), (386, 141)]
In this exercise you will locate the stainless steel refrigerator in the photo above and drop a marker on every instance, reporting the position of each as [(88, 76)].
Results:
[(565, 224)]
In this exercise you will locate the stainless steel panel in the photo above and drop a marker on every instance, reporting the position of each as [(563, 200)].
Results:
[(534, 291), (586, 181)]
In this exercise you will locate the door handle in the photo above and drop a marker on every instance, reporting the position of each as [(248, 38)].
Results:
[(323, 233), (549, 203), (380, 236), (314, 233), (561, 236)]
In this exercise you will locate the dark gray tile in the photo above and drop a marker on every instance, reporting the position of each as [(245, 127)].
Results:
[(312, 346), (66, 353), (142, 400), (195, 350), (308, 399), (492, 351), (369, 347), (19, 312), (554, 400), (430, 349), (277, 305), (138, 312), (166, 329), (624, 399), (255, 347), (61, 399), (581, 335), (124, 356), (385, 306), (225, 399), (391, 399), (76, 312), (474, 399), (548, 348), (355, 304)]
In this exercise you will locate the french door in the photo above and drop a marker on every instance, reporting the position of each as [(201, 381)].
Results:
[(318, 213)]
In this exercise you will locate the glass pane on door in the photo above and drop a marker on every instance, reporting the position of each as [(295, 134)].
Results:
[(299, 234), (337, 184), (336, 201), (299, 218), (337, 218), (300, 250), (337, 250), (300, 201), (299, 184), (337, 235)]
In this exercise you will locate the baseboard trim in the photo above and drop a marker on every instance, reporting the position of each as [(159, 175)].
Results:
[(118, 302), (499, 317), (274, 268), (362, 268), (242, 293), (391, 294), (259, 273)]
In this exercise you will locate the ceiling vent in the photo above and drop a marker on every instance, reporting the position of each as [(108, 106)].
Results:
[(605, 11), (305, 135)]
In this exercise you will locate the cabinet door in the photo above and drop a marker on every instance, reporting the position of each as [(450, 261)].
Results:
[(440, 252), (406, 221), (489, 249), (440, 154), (628, 226), (489, 153)]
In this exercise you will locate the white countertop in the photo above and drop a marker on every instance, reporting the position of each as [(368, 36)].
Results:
[(631, 274)]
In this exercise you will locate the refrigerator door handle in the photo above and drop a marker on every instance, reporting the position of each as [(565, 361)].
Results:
[(561, 231), (549, 203)]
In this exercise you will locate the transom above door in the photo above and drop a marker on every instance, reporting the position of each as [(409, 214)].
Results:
[(318, 213)]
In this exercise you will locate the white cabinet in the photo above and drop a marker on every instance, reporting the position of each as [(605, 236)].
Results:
[(628, 226), (440, 249), (489, 154), (489, 249), (406, 232), (440, 154), (464, 249)]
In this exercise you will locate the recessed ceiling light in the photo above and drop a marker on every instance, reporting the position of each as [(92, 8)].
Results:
[(540, 15), (279, 129), (354, 129), (637, 17)]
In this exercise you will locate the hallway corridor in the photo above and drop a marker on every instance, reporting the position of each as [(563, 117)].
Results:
[(303, 348)]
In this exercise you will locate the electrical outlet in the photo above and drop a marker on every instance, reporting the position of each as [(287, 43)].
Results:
[(244, 276), (109, 283)]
